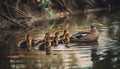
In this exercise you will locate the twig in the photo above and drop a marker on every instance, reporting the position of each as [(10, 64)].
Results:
[(10, 19), (9, 12), (17, 10)]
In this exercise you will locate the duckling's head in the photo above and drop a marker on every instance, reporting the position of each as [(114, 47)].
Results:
[(65, 31), (27, 36), (47, 34), (57, 33)]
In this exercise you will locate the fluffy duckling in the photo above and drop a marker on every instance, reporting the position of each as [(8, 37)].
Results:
[(67, 38), (27, 43), (62, 37), (45, 44), (56, 39), (64, 32), (48, 42), (46, 36), (44, 40)]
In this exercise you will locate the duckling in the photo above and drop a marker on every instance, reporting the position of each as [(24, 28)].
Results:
[(44, 40), (45, 46), (64, 32), (46, 43), (67, 38), (33, 43), (46, 35), (56, 39), (28, 42), (63, 36)]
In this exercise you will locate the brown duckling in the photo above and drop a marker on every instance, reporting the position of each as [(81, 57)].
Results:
[(62, 37), (44, 40), (65, 38), (29, 39), (48, 43), (46, 35), (45, 44), (27, 43), (56, 39)]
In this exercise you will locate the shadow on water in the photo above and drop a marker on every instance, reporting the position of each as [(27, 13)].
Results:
[(3, 53), (104, 54)]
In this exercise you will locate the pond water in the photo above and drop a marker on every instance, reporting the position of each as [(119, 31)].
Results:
[(103, 54)]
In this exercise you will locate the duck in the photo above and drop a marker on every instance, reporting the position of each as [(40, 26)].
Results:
[(40, 44), (62, 37), (67, 38), (47, 34), (87, 35), (44, 45), (27, 43), (56, 39)]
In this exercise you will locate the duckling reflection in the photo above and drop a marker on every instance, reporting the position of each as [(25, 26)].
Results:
[(48, 45), (94, 55)]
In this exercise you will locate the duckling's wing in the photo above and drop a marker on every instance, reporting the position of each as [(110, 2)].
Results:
[(62, 36), (41, 46)]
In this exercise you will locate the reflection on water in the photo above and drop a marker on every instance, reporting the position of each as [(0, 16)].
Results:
[(104, 54)]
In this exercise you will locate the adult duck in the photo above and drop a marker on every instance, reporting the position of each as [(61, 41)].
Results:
[(87, 35)]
